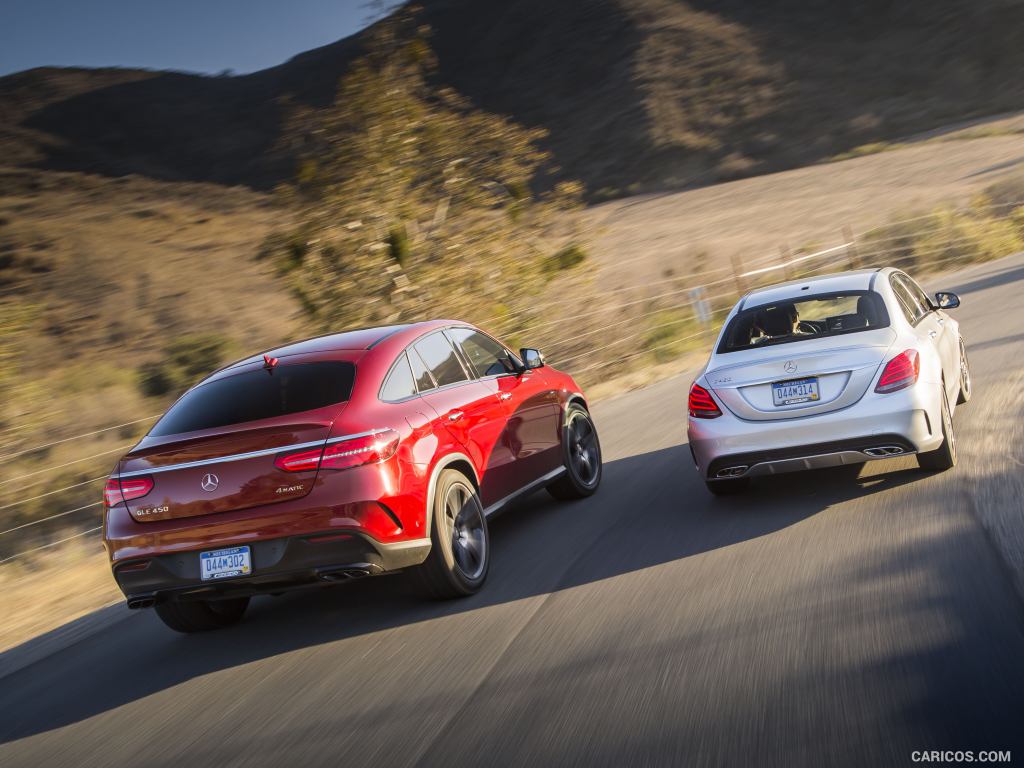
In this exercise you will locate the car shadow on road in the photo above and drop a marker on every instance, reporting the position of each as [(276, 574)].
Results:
[(652, 509)]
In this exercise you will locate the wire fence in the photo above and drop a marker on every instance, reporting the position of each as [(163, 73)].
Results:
[(732, 280)]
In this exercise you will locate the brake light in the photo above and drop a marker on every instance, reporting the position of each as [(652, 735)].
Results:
[(900, 372), (117, 491), (306, 461), (702, 405), (354, 452)]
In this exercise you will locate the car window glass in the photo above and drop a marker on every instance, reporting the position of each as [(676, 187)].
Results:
[(424, 381), (487, 356), (399, 383), (804, 317), (918, 293), (911, 306), (440, 358), (258, 394)]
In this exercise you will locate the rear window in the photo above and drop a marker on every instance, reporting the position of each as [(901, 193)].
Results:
[(804, 317), (259, 394)]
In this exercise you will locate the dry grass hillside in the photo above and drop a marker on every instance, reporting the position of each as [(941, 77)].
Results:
[(635, 94), (640, 237), (99, 277), (133, 204)]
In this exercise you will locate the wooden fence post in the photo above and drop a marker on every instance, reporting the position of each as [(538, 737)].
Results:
[(737, 271), (784, 257), (851, 249)]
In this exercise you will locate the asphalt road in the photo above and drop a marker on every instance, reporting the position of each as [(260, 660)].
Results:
[(822, 619)]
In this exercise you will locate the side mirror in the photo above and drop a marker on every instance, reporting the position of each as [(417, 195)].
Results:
[(947, 300), (532, 358)]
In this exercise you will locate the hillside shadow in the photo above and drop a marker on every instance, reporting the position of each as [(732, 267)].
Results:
[(573, 79), (530, 542)]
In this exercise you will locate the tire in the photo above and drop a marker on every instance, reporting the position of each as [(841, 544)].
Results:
[(202, 615), (581, 449), (459, 542), (728, 487), (943, 457), (965, 377)]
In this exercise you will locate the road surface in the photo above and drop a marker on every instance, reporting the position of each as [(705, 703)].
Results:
[(823, 619)]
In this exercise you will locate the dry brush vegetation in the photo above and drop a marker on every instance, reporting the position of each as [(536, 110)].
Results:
[(410, 201)]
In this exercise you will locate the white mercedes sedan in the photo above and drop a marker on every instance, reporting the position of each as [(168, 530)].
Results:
[(830, 370)]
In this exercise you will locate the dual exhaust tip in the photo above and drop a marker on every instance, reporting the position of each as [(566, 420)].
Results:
[(876, 452), (341, 574), (884, 451), (732, 471), (347, 574)]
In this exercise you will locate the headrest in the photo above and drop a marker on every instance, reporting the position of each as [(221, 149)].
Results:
[(846, 322), (777, 321), (867, 307)]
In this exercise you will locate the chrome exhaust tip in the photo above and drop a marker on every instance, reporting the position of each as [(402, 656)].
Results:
[(884, 451), (345, 574), (135, 603), (732, 471)]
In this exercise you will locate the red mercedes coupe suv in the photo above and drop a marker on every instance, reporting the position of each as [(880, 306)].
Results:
[(339, 457)]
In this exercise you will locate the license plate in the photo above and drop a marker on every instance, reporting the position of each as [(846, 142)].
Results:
[(225, 563), (795, 391)]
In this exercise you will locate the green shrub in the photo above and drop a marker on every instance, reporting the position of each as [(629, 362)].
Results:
[(566, 258), (186, 359), (1005, 195), (398, 245), (156, 379)]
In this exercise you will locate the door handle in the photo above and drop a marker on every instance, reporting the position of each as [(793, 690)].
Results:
[(504, 395), (454, 415), (933, 334), (942, 321)]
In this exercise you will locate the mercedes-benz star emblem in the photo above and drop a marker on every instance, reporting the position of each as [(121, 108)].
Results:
[(210, 482), (790, 366)]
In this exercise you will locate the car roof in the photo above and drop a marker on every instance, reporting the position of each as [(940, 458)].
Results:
[(358, 340), (855, 280)]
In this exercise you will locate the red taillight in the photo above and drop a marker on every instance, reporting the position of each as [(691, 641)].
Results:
[(900, 372), (116, 491), (354, 452), (702, 405), (306, 461)]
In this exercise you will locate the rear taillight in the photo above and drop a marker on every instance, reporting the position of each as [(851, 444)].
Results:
[(354, 452), (900, 372), (702, 405), (117, 491)]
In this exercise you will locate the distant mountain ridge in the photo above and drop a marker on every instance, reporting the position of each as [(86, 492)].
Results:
[(636, 94)]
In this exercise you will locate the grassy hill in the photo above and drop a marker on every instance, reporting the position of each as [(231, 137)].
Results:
[(636, 94), (133, 203)]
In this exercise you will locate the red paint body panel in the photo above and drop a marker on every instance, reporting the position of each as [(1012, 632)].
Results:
[(509, 427)]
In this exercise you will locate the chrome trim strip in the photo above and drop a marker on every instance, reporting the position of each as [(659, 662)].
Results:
[(525, 489), (248, 455)]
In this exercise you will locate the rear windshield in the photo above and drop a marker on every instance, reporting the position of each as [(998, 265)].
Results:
[(259, 394), (804, 317)]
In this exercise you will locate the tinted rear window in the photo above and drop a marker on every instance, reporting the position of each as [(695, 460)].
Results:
[(804, 317), (259, 394)]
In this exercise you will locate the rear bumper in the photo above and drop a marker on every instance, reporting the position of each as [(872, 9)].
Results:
[(909, 421), (277, 565)]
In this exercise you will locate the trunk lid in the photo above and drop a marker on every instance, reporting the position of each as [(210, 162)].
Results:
[(227, 471), (844, 369)]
